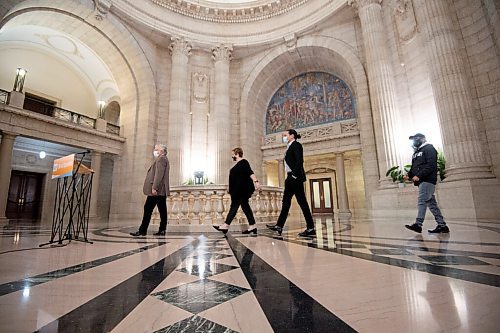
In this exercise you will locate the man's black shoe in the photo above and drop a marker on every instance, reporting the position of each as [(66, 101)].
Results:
[(274, 227), (137, 233), (308, 233), (160, 233), (440, 229), (414, 227)]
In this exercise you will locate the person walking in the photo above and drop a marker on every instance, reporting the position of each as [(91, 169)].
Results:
[(294, 185), (156, 187), (423, 173), (242, 183)]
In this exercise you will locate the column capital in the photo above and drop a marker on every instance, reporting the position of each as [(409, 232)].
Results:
[(178, 45), (358, 4), (8, 135), (222, 53)]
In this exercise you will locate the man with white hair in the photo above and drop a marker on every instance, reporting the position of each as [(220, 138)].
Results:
[(156, 187)]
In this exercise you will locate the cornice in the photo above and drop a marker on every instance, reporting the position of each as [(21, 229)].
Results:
[(230, 13)]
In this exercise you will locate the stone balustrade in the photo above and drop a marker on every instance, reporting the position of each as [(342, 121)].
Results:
[(198, 207)]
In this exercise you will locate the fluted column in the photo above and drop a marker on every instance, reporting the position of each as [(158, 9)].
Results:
[(341, 186), (94, 196), (381, 82), (281, 173), (6, 148), (465, 158), (222, 113), (178, 116), (263, 180)]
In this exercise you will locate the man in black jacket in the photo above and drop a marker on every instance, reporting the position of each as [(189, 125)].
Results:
[(294, 185), (423, 173)]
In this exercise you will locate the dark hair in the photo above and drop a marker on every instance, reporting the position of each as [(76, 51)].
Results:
[(238, 151), (293, 132)]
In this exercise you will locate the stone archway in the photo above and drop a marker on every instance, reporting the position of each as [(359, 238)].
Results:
[(315, 53), (132, 72)]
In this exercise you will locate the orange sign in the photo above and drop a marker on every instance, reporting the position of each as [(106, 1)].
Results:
[(63, 167)]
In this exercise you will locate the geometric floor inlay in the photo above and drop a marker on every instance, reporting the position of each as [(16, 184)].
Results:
[(207, 269), (199, 296), (393, 252), (453, 260), (195, 324)]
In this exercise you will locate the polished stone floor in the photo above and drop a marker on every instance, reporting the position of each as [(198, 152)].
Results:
[(357, 275)]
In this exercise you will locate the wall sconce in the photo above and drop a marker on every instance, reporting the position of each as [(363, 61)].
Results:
[(101, 109), (198, 177), (19, 82)]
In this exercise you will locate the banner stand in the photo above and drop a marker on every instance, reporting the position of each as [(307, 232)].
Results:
[(70, 219)]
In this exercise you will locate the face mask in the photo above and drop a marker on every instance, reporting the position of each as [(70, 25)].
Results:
[(156, 154), (417, 142), (285, 139), (234, 158)]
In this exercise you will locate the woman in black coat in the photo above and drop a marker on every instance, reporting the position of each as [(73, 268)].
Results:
[(242, 183)]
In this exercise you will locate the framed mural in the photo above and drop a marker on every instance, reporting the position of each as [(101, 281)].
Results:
[(309, 99)]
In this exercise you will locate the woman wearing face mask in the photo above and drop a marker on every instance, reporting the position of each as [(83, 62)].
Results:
[(242, 183)]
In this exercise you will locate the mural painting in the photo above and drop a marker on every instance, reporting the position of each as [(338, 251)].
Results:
[(309, 99)]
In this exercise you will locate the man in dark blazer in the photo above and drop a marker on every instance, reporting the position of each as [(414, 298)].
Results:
[(294, 184), (156, 187)]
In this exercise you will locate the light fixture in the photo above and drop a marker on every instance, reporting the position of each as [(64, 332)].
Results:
[(20, 76), (42, 154), (101, 109)]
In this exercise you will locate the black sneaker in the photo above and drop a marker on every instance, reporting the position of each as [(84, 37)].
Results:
[(308, 233), (414, 227), (274, 227), (440, 229), (137, 233), (160, 233)]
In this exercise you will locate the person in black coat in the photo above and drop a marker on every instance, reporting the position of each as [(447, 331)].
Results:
[(242, 183), (423, 173), (294, 185)]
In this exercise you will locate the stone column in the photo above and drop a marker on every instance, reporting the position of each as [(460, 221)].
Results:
[(6, 148), (96, 166), (281, 173), (263, 180), (465, 158), (222, 113), (341, 186), (381, 83), (178, 115)]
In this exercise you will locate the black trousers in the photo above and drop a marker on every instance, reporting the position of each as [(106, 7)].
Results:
[(154, 200), (295, 187), (236, 202)]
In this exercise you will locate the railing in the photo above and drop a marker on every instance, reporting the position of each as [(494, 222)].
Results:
[(4, 96), (209, 204), (113, 129), (50, 110)]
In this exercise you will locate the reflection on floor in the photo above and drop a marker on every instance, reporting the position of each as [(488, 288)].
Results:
[(358, 275)]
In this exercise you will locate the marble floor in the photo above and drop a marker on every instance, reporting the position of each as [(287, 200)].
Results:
[(356, 275)]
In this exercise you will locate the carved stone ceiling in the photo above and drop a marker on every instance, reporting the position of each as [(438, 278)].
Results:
[(236, 22)]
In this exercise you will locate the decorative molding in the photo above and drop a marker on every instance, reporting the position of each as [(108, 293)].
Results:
[(101, 9), (290, 42), (319, 171), (406, 24), (200, 89), (178, 45), (230, 13), (270, 140), (222, 53), (358, 4), (349, 127)]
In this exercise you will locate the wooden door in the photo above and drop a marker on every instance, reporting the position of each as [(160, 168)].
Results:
[(24, 195), (321, 196)]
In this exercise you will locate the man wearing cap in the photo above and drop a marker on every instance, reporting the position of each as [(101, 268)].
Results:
[(423, 173), (156, 187)]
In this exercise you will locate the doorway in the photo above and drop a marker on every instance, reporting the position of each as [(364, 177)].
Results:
[(321, 196), (23, 202)]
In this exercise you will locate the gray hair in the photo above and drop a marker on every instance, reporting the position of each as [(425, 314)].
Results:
[(162, 147)]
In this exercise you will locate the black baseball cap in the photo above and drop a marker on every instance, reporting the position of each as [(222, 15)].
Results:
[(417, 136)]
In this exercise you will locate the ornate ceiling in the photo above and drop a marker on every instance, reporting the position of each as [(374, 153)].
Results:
[(230, 11)]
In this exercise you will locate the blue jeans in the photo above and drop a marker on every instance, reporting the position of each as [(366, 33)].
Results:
[(426, 199)]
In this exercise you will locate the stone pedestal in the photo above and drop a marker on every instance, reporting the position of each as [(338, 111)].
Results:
[(469, 199), (100, 124), (16, 99)]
